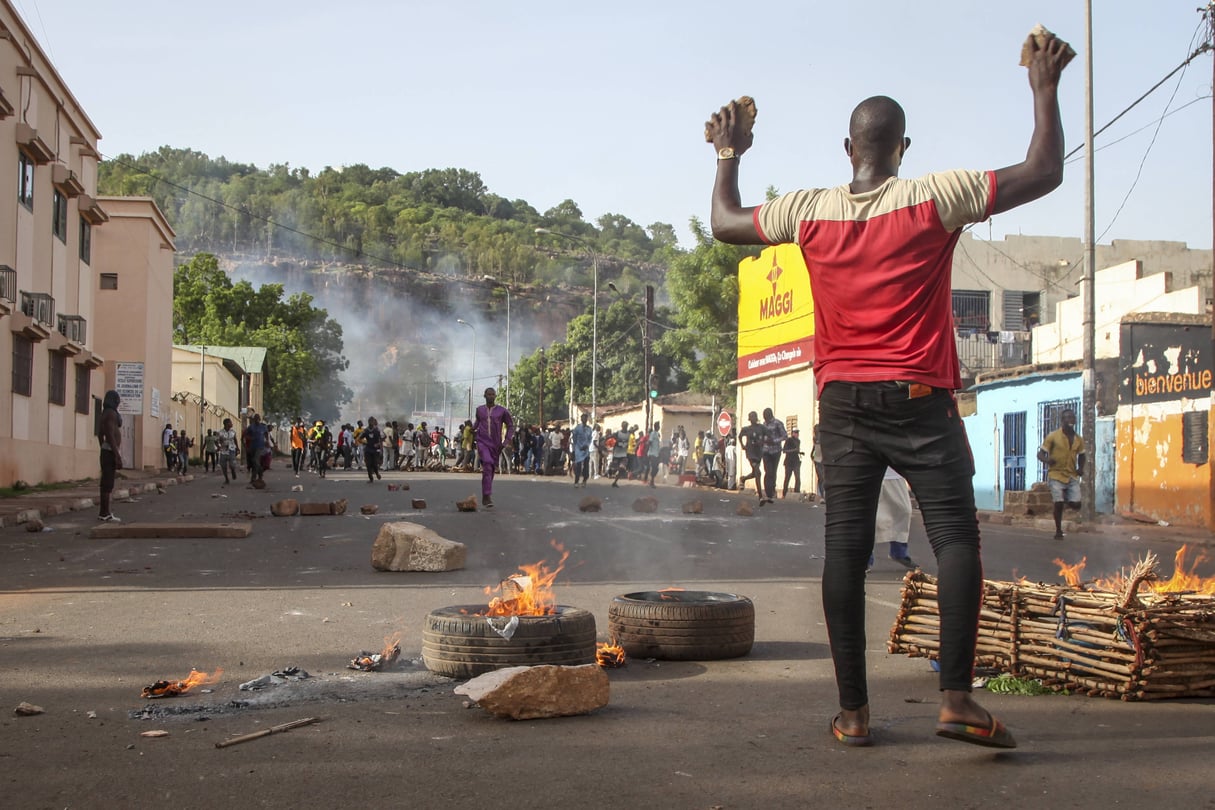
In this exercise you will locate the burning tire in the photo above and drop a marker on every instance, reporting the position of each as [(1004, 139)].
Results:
[(682, 625), (460, 644)]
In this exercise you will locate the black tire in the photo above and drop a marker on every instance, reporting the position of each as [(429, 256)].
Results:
[(682, 625), (460, 644)]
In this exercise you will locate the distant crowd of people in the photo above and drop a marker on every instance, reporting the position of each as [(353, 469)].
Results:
[(584, 451)]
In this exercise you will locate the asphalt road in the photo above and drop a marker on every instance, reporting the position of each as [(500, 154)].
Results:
[(85, 624)]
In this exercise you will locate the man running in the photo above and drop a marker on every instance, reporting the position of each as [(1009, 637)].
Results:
[(487, 428)]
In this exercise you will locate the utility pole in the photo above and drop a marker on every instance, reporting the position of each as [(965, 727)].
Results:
[(543, 370), (647, 371), (1208, 15), (1088, 427)]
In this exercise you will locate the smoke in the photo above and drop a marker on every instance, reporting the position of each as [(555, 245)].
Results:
[(402, 335)]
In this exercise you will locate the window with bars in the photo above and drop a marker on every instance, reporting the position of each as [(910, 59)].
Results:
[(108, 281), (972, 310), (59, 215), (23, 365), (25, 180), (57, 387), (83, 380)]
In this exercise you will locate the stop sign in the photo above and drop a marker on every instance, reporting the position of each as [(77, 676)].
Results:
[(724, 423)]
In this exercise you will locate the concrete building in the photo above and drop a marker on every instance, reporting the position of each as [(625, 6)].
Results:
[(48, 166), (133, 257), (213, 383)]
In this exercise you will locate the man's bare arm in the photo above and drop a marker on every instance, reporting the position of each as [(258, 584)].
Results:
[(1042, 170), (729, 220)]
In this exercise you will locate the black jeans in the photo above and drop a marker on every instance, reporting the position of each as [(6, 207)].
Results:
[(771, 462), (864, 428), (794, 471)]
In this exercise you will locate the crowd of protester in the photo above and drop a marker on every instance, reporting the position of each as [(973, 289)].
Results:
[(584, 452)]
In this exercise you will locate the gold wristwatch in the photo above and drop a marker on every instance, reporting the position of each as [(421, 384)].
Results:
[(725, 153)]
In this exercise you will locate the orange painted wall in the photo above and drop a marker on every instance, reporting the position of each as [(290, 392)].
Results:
[(1152, 479)]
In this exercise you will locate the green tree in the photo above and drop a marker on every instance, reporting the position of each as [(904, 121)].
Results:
[(703, 286), (304, 345)]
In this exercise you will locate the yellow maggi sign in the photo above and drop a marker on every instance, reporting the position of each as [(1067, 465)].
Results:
[(775, 311)]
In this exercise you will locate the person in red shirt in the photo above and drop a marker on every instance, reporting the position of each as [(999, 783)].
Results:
[(879, 251)]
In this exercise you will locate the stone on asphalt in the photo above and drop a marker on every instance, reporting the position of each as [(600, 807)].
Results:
[(287, 507), (34, 525), (590, 504), (745, 509), (404, 546), (539, 692), (24, 709), (418, 503), (314, 509), (695, 507), (469, 504), (646, 504), (369, 509)]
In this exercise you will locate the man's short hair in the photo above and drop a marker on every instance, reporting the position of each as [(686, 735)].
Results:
[(878, 125)]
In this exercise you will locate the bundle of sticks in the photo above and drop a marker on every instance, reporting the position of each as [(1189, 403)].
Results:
[(1130, 646)]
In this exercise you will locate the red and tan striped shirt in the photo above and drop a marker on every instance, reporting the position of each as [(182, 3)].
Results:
[(880, 267)]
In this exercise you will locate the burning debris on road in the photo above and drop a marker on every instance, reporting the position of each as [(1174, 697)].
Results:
[(528, 592), (610, 655), (377, 662), (162, 689)]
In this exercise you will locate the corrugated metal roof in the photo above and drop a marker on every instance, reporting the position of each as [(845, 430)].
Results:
[(251, 359)]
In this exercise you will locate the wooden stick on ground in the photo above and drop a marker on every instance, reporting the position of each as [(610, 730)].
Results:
[(307, 721)]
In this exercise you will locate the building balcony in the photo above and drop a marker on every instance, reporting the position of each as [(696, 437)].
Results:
[(980, 352), (39, 306), (6, 106), (8, 284), (73, 327)]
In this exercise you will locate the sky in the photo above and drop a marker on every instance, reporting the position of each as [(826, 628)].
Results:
[(605, 103)]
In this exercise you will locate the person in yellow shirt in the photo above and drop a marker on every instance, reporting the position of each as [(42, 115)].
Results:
[(1063, 454)]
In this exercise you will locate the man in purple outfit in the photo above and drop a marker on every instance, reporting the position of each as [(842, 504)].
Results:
[(487, 428)]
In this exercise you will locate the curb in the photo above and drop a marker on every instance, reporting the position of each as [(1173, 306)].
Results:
[(76, 504)]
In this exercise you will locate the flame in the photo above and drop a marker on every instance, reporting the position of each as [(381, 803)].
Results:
[(662, 594), (173, 688), (609, 654), (374, 662), (1071, 573), (528, 592), (1185, 578)]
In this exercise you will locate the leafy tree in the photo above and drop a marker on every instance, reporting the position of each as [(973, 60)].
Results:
[(703, 285), (304, 346)]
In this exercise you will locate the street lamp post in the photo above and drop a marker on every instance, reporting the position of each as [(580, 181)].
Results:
[(446, 402), (647, 371), (506, 287), (594, 308), (472, 380)]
